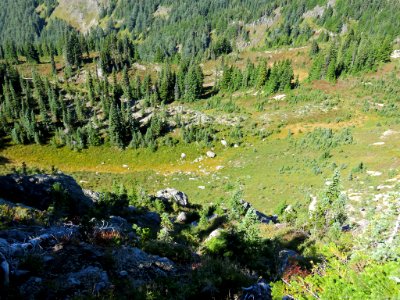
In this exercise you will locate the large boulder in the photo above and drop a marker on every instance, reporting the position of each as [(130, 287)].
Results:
[(173, 195), (149, 219), (37, 191)]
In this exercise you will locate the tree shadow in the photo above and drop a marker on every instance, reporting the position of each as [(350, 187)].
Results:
[(209, 91), (4, 160)]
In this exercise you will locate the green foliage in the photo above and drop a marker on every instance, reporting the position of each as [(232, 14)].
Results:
[(167, 226), (330, 212), (235, 207), (278, 78), (325, 139), (350, 54), (339, 280)]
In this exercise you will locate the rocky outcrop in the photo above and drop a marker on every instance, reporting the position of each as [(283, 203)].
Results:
[(173, 195), (263, 218), (37, 191), (89, 278), (140, 266)]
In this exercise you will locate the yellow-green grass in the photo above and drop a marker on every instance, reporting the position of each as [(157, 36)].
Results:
[(255, 167)]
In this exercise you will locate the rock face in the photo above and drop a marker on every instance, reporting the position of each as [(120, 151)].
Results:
[(88, 278), (172, 194), (140, 266), (36, 191)]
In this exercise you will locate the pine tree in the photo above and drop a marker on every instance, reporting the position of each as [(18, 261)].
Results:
[(31, 53), (126, 85), (262, 73), (193, 83), (10, 52), (93, 137), (90, 88), (166, 84), (115, 127), (53, 64), (314, 48)]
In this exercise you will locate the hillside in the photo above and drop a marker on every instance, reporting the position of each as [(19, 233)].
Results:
[(186, 150)]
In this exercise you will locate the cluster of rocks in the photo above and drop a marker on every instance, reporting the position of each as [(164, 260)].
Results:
[(263, 218), (72, 266), (62, 256), (173, 195)]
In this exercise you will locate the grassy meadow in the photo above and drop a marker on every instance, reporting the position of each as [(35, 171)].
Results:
[(276, 160)]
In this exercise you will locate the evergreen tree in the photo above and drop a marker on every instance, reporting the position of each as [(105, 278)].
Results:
[(53, 64), (31, 53), (115, 127), (314, 48), (10, 52), (126, 85)]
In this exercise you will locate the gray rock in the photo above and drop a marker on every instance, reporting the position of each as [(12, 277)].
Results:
[(141, 266), (131, 209), (4, 272), (95, 196), (259, 291), (182, 217), (118, 221), (172, 194), (20, 273), (31, 288), (14, 235), (148, 219), (263, 218), (88, 278), (123, 273), (211, 154), (36, 191), (214, 234), (3, 245)]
